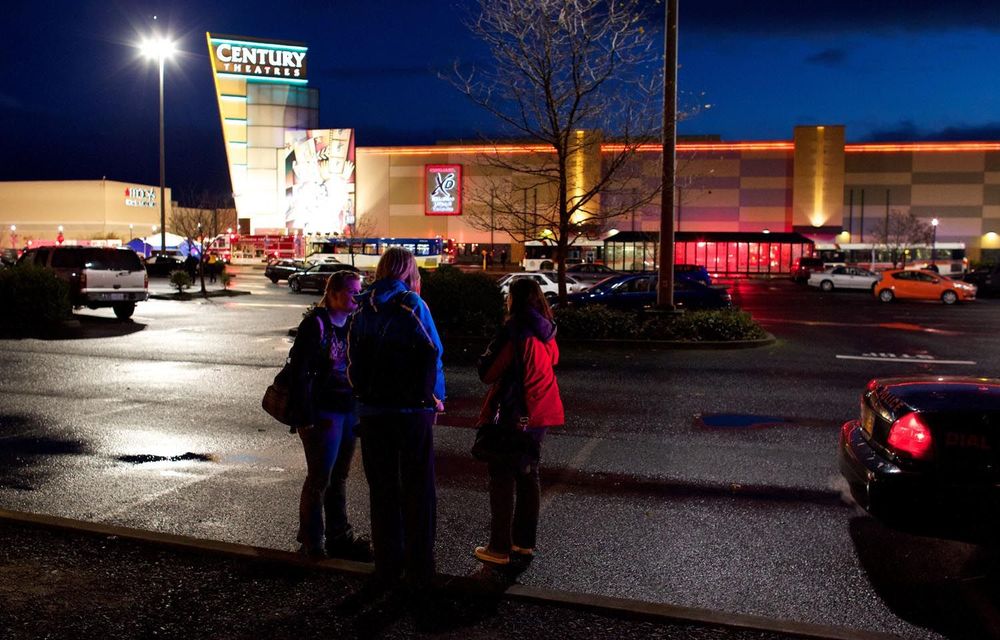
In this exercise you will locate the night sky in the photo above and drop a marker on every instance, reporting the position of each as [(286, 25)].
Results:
[(77, 100)]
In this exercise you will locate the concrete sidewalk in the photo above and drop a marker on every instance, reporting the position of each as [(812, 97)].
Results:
[(69, 579)]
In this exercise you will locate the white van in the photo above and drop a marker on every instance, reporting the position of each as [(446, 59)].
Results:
[(97, 276)]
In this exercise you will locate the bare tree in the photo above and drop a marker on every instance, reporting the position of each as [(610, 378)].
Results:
[(562, 71), (206, 220), (900, 232)]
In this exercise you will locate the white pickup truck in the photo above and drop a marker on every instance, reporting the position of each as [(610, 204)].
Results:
[(97, 276)]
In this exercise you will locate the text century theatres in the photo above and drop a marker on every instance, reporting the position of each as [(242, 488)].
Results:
[(271, 62)]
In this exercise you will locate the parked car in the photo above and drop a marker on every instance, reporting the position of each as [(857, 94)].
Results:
[(923, 447), (986, 279), (97, 276), (588, 273), (638, 291), (843, 278), (280, 269), (547, 280), (8, 257), (315, 277), (163, 263), (692, 273), (803, 267), (920, 284)]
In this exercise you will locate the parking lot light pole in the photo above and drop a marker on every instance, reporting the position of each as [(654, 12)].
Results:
[(934, 226), (160, 49)]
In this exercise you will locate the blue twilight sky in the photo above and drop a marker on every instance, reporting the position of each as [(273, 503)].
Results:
[(77, 101)]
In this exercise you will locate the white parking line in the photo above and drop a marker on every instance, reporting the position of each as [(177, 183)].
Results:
[(905, 358)]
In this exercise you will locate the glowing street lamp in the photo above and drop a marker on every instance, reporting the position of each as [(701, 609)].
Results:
[(934, 226), (160, 49)]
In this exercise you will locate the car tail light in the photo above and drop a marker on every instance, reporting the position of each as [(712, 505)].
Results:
[(83, 279), (145, 280), (911, 436)]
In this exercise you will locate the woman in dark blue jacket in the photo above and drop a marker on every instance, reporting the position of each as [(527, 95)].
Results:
[(394, 365)]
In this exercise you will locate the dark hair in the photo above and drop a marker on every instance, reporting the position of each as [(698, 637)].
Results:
[(337, 282), (526, 294)]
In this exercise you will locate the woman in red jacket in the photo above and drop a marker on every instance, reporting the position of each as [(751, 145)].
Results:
[(520, 359)]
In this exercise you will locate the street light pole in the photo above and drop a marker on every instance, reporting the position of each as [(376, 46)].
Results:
[(163, 162), (161, 49), (934, 226)]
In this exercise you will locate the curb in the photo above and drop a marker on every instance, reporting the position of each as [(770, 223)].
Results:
[(461, 343), (191, 297), (610, 606)]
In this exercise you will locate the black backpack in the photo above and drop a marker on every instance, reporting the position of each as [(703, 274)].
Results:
[(392, 360)]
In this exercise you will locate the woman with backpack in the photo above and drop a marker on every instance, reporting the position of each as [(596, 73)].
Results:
[(395, 369), (524, 396), (319, 361)]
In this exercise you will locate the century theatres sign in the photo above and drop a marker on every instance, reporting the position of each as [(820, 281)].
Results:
[(257, 58), (443, 189)]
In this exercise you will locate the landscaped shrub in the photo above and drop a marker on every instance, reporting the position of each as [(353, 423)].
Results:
[(180, 280), (32, 298), (701, 326), (597, 322), (463, 304)]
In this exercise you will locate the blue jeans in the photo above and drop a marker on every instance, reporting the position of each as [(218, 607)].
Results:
[(329, 447), (398, 451)]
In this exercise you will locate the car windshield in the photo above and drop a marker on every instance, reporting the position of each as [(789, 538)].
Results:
[(98, 258), (607, 284)]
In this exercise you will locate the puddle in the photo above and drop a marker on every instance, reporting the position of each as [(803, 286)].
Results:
[(145, 458)]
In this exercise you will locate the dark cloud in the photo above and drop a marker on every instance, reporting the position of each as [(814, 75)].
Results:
[(908, 131), (790, 17), (828, 58)]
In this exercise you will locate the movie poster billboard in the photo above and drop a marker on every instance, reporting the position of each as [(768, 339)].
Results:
[(320, 180), (443, 189)]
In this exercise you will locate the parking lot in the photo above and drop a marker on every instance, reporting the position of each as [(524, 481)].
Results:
[(705, 478)]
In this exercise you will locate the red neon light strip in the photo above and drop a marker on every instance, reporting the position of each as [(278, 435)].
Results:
[(905, 147), (610, 147)]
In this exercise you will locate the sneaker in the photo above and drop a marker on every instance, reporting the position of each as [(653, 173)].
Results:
[(521, 551), (311, 552), (356, 548), (484, 554)]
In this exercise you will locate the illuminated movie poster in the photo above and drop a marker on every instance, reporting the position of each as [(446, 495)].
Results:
[(320, 181), (443, 189)]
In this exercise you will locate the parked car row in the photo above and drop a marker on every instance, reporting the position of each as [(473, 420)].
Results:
[(910, 284)]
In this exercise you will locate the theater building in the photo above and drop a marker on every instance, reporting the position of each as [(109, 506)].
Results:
[(290, 175)]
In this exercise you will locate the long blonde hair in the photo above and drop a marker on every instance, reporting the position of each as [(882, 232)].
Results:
[(399, 264)]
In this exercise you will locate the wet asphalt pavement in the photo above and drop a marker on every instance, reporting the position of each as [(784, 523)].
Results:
[(648, 495)]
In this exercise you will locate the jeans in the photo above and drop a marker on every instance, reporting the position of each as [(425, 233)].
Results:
[(398, 452), (329, 447), (515, 495)]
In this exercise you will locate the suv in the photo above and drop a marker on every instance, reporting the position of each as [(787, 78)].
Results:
[(802, 267), (986, 278), (97, 276)]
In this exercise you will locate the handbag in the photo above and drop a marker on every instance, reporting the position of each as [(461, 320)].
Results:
[(286, 404), (504, 440), (280, 400)]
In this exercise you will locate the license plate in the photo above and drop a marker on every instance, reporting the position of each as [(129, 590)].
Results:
[(116, 296)]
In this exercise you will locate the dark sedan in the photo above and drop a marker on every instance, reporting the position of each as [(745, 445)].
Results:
[(590, 273), (163, 264), (280, 269), (986, 279), (926, 451), (638, 291), (315, 277)]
